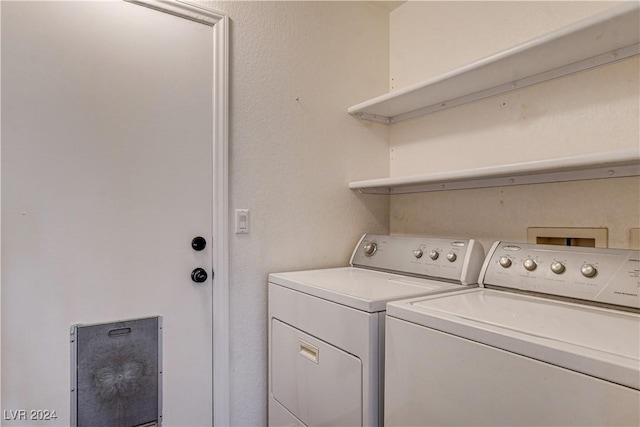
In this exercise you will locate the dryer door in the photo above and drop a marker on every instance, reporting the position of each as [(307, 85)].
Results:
[(318, 383)]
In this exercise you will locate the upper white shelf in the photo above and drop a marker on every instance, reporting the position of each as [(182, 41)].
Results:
[(600, 39), (612, 164)]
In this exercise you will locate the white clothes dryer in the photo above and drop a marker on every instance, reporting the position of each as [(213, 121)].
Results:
[(551, 338), (326, 327)]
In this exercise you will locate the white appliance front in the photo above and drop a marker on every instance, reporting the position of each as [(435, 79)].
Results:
[(326, 327), (312, 345), (519, 359), (342, 394)]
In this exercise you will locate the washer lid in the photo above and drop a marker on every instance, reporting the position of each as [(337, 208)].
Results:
[(362, 289), (600, 342)]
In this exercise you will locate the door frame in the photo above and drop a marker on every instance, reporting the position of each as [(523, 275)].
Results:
[(220, 239), (220, 161)]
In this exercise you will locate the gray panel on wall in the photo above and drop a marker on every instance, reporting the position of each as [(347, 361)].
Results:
[(117, 373)]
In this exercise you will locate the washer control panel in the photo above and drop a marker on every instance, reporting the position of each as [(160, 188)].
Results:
[(446, 259), (609, 276)]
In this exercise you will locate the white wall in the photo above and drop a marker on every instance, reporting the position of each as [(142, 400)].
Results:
[(295, 68), (589, 112), (428, 38)]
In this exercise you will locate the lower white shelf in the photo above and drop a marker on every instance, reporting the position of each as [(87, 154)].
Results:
[(610, 164)]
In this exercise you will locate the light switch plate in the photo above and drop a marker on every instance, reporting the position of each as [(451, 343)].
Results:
[(242, 221)]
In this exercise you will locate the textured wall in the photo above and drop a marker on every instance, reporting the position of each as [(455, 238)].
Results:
[(490, 214), (428, 38), (588, 112), (295, 68)]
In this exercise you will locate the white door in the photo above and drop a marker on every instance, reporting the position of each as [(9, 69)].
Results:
[(106, 179)]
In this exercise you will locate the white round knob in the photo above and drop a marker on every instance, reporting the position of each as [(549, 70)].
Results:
[(451, 256), (418, 253), (588, 270), (505, 261), (434, 255), (557, 267), (370, 248), (529, 264)]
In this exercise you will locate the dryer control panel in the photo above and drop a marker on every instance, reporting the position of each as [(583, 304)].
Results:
[(454, 260), (608, 276)]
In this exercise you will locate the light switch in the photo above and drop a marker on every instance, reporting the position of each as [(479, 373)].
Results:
[(242, 221)]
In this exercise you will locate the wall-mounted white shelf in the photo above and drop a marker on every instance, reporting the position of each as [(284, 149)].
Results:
[(600, 39), (612, 164)]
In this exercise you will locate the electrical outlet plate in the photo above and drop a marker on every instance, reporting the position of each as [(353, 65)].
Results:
[(569, 236)]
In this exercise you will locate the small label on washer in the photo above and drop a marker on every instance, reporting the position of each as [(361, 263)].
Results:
[(511, 248)]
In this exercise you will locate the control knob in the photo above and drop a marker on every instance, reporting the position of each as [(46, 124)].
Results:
[(418, 253), (505, 261), (434, 255), (588, 270), (557, 267), (370, 248), (529, 264), (451, 256)]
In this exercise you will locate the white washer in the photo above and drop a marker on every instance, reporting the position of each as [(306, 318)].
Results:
[(552, 337), (326, 327)]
